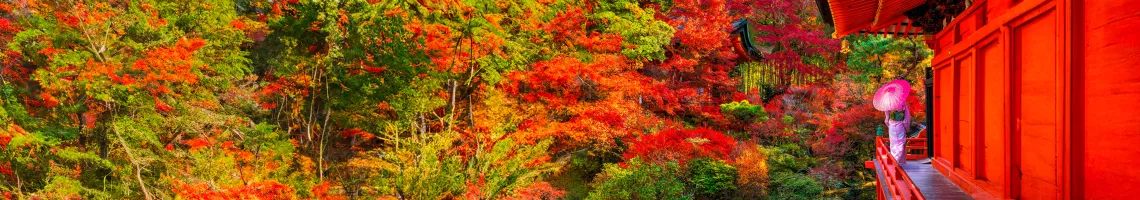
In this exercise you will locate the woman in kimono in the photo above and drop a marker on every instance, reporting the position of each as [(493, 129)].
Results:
[(897, 123)]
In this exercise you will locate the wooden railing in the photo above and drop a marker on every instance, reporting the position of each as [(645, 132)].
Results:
[(916, 147), (898, 183)]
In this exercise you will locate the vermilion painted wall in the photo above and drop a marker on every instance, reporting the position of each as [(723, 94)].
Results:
[(1109, 95), (1040, 99)]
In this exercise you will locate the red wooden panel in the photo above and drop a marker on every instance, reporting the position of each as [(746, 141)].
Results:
[(1036, 106), (946, 41), (945, 101), (968, 24), (1111, 100), (993, 120), (1030, 38), (965, 135), (995, 8)]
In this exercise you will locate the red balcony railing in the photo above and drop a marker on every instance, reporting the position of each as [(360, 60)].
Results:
[(916, 147), (895, 180)]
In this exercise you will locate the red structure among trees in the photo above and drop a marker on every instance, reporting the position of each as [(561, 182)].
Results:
[(1033, 99)]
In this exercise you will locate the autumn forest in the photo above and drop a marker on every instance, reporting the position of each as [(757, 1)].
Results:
[(440, 99)]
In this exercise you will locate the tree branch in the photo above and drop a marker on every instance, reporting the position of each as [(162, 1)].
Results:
[(131, 157)]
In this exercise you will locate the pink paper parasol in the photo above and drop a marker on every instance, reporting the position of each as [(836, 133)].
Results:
[(892, 96)]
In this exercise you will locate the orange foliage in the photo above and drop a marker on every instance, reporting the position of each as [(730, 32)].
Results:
[(558, 27), (540, 190), (256, 190), (707, 23), (91, 116), (94, 70), (374, 70), (605, 43), (681, 146), (237, 24), (6, 169), (162, 107), (80, 13), (356, 132), (153, 19), (598, 124), (170, 65), (439, 45), (321, 191), (581, 103), (279, 7), (48, 100), (6, 136), (565, 80), (475, 190), (752, 166), (10, 63), (49, 51), (196, 144), (68, 20)]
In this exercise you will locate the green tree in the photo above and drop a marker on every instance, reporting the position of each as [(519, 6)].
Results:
[(881, 59), (121, 87)]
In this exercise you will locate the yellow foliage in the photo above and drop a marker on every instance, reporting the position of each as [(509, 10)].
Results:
[(752, 165)]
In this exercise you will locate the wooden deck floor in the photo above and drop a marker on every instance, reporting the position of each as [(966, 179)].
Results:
[(932, 184)]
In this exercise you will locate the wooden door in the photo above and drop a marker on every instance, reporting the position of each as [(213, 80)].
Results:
[(944, 110), (1036, 115), (993, 120), (964, 138)]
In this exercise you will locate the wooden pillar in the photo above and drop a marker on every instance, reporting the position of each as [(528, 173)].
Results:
[(929, 83)]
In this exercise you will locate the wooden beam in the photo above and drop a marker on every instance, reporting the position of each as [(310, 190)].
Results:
[(883, 32), (894, 30), (908, 29)]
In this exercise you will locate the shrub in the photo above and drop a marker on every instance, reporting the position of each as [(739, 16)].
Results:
[(789, 166), (640, 180), (745, 111), (788, 185), (712, 178), (505, 168), (752, 168), (789, 158)]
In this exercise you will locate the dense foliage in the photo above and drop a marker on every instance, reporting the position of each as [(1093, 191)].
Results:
[(434, 99)]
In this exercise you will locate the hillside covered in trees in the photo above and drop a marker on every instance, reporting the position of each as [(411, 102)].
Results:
[(438, 99)]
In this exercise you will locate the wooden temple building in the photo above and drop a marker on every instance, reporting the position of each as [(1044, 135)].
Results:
[(1032, 99)]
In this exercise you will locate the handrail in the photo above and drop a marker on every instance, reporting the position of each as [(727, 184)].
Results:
[(899, 183)]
